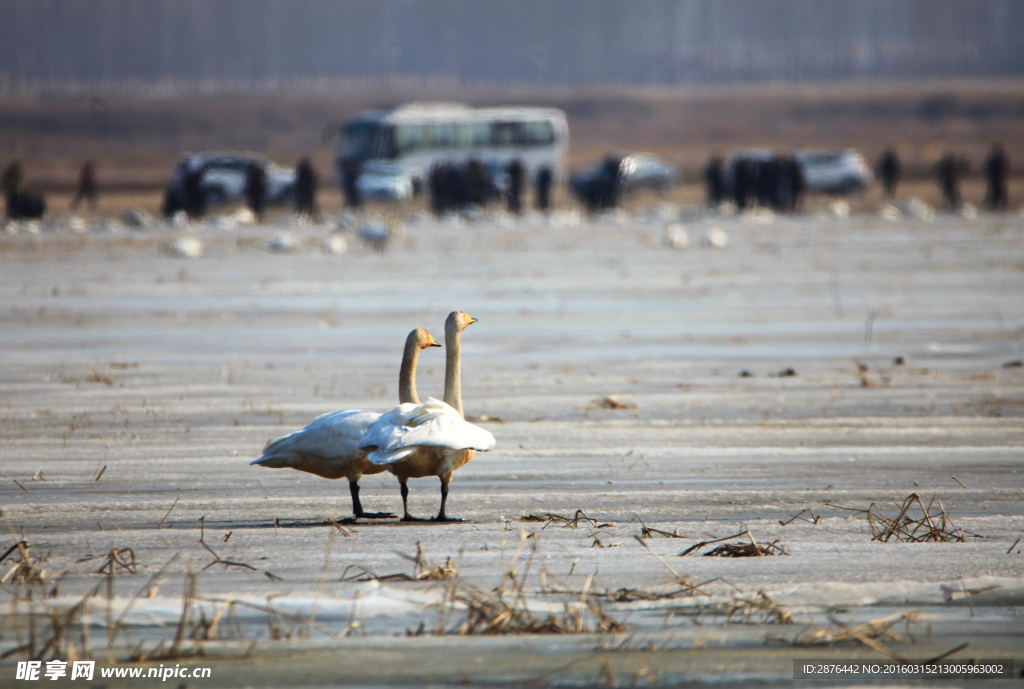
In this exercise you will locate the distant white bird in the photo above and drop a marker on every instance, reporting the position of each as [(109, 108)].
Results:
[(838, 208), (329, 446), (918, 209), (78, 225), (283, 243), (431, 439), (676, 236), (715, 238), (243, 216), (891, 213), (187, 247), (335, 243)]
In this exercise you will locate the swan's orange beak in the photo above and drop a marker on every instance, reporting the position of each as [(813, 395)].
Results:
[(472, 320), (433, 343)]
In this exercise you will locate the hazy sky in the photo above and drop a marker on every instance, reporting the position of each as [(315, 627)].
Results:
[(521, 41)]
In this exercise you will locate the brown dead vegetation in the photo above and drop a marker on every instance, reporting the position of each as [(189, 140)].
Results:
[(914, 523), (751, 549), (573, 522)]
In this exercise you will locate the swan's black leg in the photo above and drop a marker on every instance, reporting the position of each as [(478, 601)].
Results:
[(444, 498), (405, 505), (357, 506)]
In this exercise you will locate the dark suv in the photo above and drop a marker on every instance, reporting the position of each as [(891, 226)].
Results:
[(222, 179)]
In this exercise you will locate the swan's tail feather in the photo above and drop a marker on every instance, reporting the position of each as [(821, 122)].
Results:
[(273, 461), (382, 457)]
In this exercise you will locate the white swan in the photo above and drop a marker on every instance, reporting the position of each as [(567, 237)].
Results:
[(329, 446), (431, 439)]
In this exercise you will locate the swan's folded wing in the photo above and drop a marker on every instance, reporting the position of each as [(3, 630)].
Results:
[(388, 427), (433, 424), (454, 433), (330, 435)]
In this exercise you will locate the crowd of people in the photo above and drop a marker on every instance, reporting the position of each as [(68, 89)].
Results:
[(453, 185), (949, 171), (771, 181), (775, 182)]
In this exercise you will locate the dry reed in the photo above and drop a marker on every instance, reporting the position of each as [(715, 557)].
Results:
[(752, 549), (915, 522)]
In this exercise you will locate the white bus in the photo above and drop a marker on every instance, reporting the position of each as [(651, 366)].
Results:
[(415, 137)]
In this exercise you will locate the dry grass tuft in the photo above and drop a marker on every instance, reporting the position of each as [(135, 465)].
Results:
[(98, 376), (613, 402), (915, 523), (424, 570), (505, 610), (651, 532), (869, 634), (572, 522), (760, 609), (752, 549), (119, 559), (427, 571), (27, 569), (811, 519)]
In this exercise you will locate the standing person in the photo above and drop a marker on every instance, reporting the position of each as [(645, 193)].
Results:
[(741, 182), (475, 182), (797, 183), (542, 189), (195, 202), (889, 168), (767, 175), (997, 173), (305, 188), (608, 183), (350, 175), (516, 178), (87, 186), (948, 171), (434, 186), (714, 180), (14, 185), (256, 189)]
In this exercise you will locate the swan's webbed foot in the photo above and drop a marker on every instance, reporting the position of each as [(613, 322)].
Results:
[(410, 518), (377, 515), (357, 506)]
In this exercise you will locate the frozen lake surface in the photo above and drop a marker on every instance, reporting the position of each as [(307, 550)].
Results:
[(813, 364)]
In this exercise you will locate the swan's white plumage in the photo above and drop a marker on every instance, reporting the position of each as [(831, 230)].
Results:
[(334, 435), (399, 432)]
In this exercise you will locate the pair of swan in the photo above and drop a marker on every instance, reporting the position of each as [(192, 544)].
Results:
[(413, 440)]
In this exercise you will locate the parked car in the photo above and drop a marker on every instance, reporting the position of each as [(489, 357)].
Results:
[(222, 179), (829, 171), (384, 180), (636, 171), (837, 172)]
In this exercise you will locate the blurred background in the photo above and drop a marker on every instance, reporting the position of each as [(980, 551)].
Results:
[(134, 84)]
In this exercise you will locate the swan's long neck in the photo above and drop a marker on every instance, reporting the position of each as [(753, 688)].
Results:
[(407, 375), (452, 374)]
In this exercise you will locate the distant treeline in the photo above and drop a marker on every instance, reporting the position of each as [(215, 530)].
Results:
[(250, 44)]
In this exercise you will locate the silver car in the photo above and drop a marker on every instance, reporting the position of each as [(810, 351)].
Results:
[(835, 172), (636, 171)]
